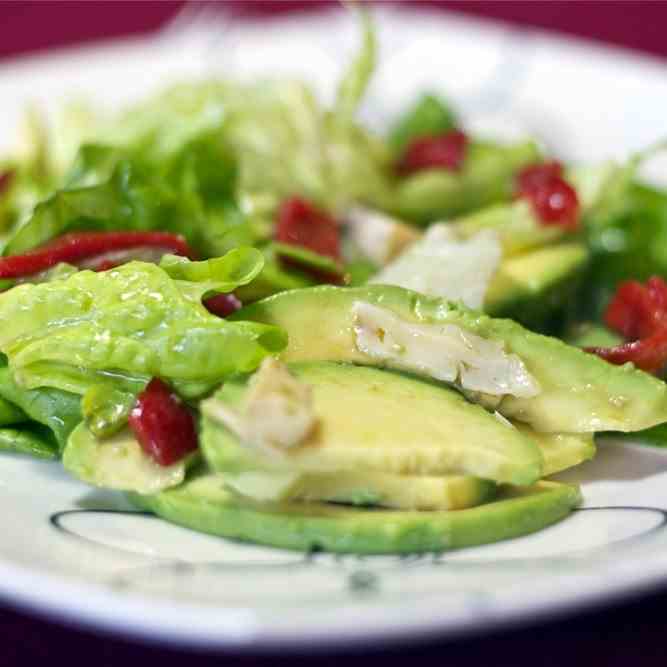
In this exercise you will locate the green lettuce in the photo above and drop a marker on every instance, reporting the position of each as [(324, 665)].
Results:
[(122, 327), (112, 189), (57, 410), (31, 439), (428, 116)]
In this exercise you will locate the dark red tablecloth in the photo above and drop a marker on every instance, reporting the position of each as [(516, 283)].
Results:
[(628, 635)]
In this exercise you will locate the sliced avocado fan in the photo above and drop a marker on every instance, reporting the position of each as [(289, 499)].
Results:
[(572, 390), (205, 504), (375, 421), (448, 492)]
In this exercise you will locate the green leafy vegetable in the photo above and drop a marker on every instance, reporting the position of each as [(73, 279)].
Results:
[(32, 440), (430, 115), (273, 278), (58, 410), (221, 274), (111, 189), (630, 245), (127, 325), (10, 413), (308, 259)]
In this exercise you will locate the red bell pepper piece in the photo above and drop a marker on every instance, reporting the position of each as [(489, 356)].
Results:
[(443, 151), (222, 305), (75, 247), (553, 199), (163, 426), (536, 175), (302, 224), (639, 313)]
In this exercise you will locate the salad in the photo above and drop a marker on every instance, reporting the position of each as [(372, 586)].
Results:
[(262, 320)]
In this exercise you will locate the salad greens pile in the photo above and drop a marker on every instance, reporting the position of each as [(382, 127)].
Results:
[(373, 361)]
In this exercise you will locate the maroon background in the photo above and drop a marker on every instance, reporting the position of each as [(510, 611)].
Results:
[(625, 636), (28, 26)]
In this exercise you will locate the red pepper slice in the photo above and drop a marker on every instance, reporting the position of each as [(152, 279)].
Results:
[(75, 247), (443, 151), (556, 203), (553, 199), (163, 426), (302, 224), (536, 175), (222, 305), (639, 313), (635, 311), (649, 354)]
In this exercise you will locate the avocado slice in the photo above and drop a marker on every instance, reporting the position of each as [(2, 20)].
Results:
[(378, 421), (532, 288), (118, 463), (204, 503), (578, 392), (450, 492), (560, 450)]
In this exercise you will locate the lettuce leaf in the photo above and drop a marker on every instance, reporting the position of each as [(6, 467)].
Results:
[(10, 413), (429, 115), (115, 189), (129, 324), (57, 410), (30, 439), (221, 274)]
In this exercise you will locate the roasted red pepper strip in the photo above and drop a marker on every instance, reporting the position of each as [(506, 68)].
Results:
[(222, 305), (443, 151), (536, 175), (553, 199), (163, 426), (649, 354), (639, 313), (75, 247), (302, 224)]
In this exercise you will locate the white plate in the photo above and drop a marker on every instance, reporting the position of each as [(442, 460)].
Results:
[(82, 555)]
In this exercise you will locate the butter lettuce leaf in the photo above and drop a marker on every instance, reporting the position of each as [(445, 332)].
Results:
[(57, 410), (123, 327), (220, 274), (30, 439)]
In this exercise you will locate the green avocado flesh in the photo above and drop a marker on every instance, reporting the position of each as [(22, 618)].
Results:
[(203, 503), (375, 420), (560, 450), (117, 463), (579, 392), (450, 492), (531, 287)]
